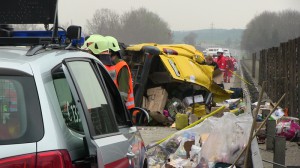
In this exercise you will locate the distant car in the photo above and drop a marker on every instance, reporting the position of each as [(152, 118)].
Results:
[(212, 51), (59, 108), (226, 52)]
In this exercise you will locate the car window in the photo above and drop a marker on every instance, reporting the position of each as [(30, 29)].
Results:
[(66, 101), (20, 113), (93, 95), (119, 108)]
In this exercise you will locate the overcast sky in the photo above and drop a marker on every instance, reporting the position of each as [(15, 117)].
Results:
[(179, 14)]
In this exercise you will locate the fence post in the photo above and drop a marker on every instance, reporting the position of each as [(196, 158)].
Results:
[(253, 64), (279, 151), (298, 78), (286, 73), (271, 132), (272, 74), (261, 64), (292, 78), (282, 71), (296, 55), (277, 74)]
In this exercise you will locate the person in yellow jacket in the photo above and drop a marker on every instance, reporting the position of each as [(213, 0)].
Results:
[(123, 77)]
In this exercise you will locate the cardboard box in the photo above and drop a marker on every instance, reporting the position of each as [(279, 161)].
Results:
[(187, 147), (145, 102), (157, 99), (189, 100), (152, 91)]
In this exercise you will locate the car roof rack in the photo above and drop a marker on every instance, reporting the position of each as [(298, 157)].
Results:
[(21, 41)]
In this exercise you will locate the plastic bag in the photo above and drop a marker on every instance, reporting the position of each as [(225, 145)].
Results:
[(187, 136), (158, 156), (231, 131), (287, 128), (227, 139), (195, 155), (277, 114)]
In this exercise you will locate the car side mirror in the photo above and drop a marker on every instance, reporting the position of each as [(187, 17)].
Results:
[(74, 32), (139, 116), (74, 35)]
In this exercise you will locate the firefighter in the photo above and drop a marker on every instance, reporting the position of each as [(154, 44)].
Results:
[(221, 61), (234, 63), (229, 69), (98, 46), (123, 73)]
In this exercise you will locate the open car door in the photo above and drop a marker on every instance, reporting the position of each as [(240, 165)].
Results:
[(106, 144)]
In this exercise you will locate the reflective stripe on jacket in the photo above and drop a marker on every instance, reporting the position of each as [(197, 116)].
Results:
[(112, 72)]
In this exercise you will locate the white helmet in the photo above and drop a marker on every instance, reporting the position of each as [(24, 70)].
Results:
[(220, 50)]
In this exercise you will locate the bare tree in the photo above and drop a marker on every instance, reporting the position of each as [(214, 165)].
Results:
[(289, 25), (104, 22), (269, 29), (190, 38), (142, 25), (132, 27)]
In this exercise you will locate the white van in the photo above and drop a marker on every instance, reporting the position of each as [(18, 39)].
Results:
[(212, 51), (226, 52)]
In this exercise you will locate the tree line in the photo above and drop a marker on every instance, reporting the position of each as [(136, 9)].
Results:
[(270, 29), (135, 26)]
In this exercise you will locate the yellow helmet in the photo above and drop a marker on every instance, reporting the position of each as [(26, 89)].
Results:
[(96, 43), (113, 43)]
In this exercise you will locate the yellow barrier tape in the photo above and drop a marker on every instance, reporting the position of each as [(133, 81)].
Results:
[(194, 124), (234, 110), (240, 77)]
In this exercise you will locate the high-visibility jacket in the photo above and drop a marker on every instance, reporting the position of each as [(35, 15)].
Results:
[(130, 97), (221, 61), (112, 72)]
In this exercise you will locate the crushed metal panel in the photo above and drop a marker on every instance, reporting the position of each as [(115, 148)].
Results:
[(219, 93), (185, 50), (138, 47), (184, 69)]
